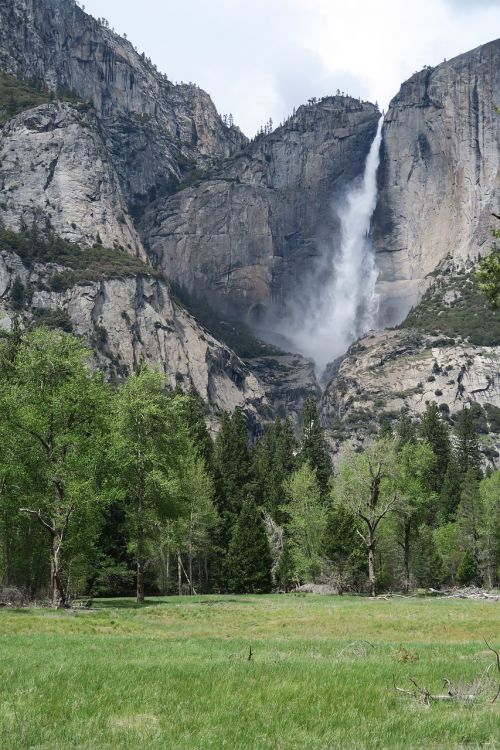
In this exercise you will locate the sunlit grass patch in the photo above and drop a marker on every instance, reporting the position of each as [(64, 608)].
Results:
[(176, 674)]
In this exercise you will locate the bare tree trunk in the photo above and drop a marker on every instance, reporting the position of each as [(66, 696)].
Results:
[(371, 562), (190, 568), (406, 555), (140, 552), (58, 598), (179, 572)]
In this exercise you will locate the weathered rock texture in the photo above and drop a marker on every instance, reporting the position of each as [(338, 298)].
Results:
[(439, 174), (55, 171), (390, 370), (126, 320), (249, 235), (156, 130)]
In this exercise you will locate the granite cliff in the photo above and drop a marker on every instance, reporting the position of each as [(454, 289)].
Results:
[(111, 154), (439, 175), (249, 235)]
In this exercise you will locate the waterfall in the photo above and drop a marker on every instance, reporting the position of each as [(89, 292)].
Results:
[(346, 306)]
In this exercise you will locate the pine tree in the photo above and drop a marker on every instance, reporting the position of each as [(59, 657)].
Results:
[(313, 449), (249, 557), (232, 466), (435, 432), (470, 513), (193, 411), (450, 491), (342, 544), (466, 444), (467, 572), (274, 461)]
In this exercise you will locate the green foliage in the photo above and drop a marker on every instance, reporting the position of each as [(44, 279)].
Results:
[(313, 448), (86, 266), (488, 277), (17, 96), (249, 557), (17, 294), (273, 462), (150, 449), (343, 547), (467, 572), (469, 316), (44, 316), (465, 443), (489, 528), (435, 433), (55, 412), (306, 522)]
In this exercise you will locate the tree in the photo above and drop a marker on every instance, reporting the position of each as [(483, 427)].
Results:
[(450, 491), (470, 513), (489, 527), (435, 432), (149, 445), (56, 409), (342, 545), (366, 485), (274, 460), (306, 522), (488, 276), (17, 294), (467, 570), (413, 463), (192, 530), (465, 443), (313, 449), (249, 556)]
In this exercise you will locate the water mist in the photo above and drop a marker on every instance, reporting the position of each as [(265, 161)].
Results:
[(346, 306)]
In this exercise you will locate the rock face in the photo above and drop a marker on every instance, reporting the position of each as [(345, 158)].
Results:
[(126, 320), (439, 174), (389, 370), (55, 171), (249, 234), (157, 131)]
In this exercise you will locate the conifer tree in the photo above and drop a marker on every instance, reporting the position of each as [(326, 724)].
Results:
[(466, 444), (342, 544), (469, 513), (193, 414), (274, 461), (232, 466), (450, 491), (435, 432), (490, 528), (249, 557), (313, 448), (467, 572)]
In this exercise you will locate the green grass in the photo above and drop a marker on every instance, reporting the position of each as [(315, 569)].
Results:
[(175, 674)]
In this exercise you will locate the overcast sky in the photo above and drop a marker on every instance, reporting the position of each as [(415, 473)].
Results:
[(260, 58)]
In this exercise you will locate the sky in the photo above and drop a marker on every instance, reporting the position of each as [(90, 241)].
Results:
[(262, 58)]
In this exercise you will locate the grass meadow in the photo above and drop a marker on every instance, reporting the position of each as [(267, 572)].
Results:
[(175, 674)]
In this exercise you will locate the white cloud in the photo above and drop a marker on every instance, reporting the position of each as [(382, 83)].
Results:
[(261, 59)]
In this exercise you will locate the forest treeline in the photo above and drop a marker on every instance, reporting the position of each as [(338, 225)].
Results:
[(111, 490)]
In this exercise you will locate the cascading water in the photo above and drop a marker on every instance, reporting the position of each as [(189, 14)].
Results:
[(347, 305)]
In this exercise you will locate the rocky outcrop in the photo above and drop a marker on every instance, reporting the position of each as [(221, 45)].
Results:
[(439, 174), (387, 371), (55, 171), (158, 131), (287, 380), (126, 320), (250, 235)]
